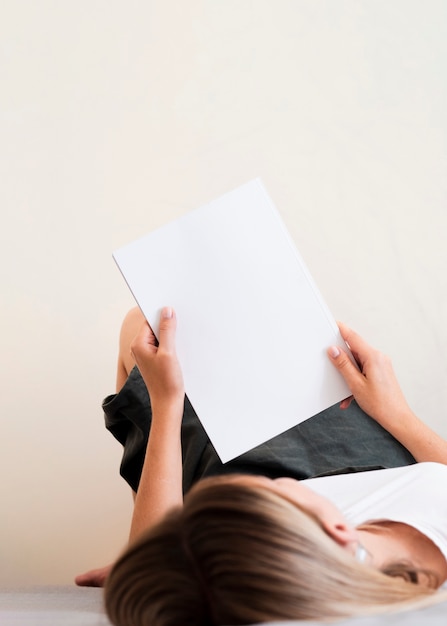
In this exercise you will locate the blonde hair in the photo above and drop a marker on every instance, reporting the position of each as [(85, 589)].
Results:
[(239, 554)]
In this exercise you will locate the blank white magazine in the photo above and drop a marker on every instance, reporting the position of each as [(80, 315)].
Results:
[(253, 328)]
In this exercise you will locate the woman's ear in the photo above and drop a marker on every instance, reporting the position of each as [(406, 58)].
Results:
[(341, 532)]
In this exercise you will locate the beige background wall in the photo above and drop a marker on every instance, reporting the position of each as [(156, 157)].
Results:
[(116, 117)]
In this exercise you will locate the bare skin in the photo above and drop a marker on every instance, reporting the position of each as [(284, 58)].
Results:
[(160, 487), (388, 541)]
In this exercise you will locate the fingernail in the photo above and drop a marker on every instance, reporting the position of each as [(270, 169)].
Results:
[(167, 312), (334, 352)]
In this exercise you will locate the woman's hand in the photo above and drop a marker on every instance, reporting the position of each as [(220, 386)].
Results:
[(378, 393), (375, 386), (158, 363)]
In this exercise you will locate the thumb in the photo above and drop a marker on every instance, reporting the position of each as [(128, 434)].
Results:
[(166, 329), (346, 367)]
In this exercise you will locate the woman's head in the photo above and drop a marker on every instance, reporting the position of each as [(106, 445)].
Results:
[(240, 552)]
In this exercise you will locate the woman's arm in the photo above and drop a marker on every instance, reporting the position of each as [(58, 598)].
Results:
[(378, 393), (160, 486)]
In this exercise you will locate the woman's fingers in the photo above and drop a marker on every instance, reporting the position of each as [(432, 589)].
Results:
[(346, 367), (167, 329), (346, 403), (145, 338), (358, 346)]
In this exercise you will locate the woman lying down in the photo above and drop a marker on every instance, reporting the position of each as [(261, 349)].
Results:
[(345, 514)]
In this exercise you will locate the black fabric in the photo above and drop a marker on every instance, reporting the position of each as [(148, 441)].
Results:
[(333, 442)]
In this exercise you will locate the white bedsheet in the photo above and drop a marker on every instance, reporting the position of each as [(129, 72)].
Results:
[(76, 606)]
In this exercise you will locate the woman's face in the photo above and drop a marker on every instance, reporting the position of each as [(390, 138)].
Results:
[(403, 545)]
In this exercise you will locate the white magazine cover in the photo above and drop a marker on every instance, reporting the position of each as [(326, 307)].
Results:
[(253, 329)]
